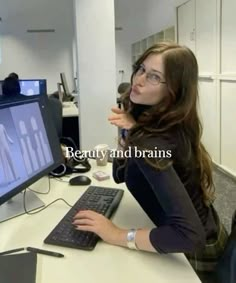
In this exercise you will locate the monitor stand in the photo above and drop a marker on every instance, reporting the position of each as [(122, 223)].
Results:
[(15, 206)]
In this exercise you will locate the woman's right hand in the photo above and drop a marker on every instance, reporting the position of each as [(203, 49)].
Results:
[(121, 119)]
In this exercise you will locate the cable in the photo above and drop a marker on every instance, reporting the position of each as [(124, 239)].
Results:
[(30, 213), (60, 180), (43, 193)]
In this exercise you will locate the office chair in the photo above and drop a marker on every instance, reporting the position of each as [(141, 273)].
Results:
[(123, 87), (68, 166), (56, 113), (226, 268)]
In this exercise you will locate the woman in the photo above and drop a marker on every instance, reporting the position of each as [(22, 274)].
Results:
[(176, 191)]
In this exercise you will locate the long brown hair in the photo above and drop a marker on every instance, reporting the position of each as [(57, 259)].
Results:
[(178, 110)]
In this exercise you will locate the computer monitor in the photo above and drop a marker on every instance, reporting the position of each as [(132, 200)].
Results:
[(60, 92), (29, 150), (75, 86), (33, 87), (67, 95)]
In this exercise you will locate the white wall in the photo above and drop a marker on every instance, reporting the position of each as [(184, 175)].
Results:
[(138, 19), (95, 35), (123, 59), (37, 55)]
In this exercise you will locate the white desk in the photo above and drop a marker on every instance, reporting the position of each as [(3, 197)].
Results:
[(70, 109), (105, 263)]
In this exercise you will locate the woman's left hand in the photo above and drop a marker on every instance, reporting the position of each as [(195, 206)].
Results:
[(88, 220), (121, 119)]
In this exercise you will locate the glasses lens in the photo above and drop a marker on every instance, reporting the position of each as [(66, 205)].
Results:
[(153, 78)]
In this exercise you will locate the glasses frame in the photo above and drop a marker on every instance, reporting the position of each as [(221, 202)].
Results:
[(136, 68)]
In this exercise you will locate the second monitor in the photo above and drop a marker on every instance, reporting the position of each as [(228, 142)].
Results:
[(33, 87)]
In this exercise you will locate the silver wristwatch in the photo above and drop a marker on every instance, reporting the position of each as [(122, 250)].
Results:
[(131, 239)]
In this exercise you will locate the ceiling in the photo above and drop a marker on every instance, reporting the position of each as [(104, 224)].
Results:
[(20, 15), (133, 16)]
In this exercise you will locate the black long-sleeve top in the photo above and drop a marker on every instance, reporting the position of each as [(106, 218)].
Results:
[(183, 221)]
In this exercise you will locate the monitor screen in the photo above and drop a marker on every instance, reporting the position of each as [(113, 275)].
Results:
[(29, 146), (33, 87)]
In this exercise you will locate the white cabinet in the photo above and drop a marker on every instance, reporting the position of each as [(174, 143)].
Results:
[(206, 27), (186, 24), (197, 29), (208, 113), (169, 34), (228, 131), (215, 48), (139, 47), (228, 48)]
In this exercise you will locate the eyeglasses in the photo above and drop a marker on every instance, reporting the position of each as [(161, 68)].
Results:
[(152, 77)]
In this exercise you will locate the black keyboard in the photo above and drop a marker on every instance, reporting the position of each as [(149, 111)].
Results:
[(100, 199)]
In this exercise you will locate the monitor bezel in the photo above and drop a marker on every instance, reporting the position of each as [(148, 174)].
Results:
[(51, 134), (42, 90), (64, 84)]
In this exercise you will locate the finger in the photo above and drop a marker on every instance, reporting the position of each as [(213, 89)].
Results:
[(85, 228), (117, 123), (117, 110), (93, 214), (87, 222), (85, 214), (90, 214), (114, 117)]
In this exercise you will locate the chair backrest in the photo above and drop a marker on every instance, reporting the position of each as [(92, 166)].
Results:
[(123, 87), (226, 269), (56, 113)]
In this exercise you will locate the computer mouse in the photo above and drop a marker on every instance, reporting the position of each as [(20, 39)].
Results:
[(80, 180)]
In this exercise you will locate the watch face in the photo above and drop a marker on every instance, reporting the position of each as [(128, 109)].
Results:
[(131, 235), (131, 239)]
